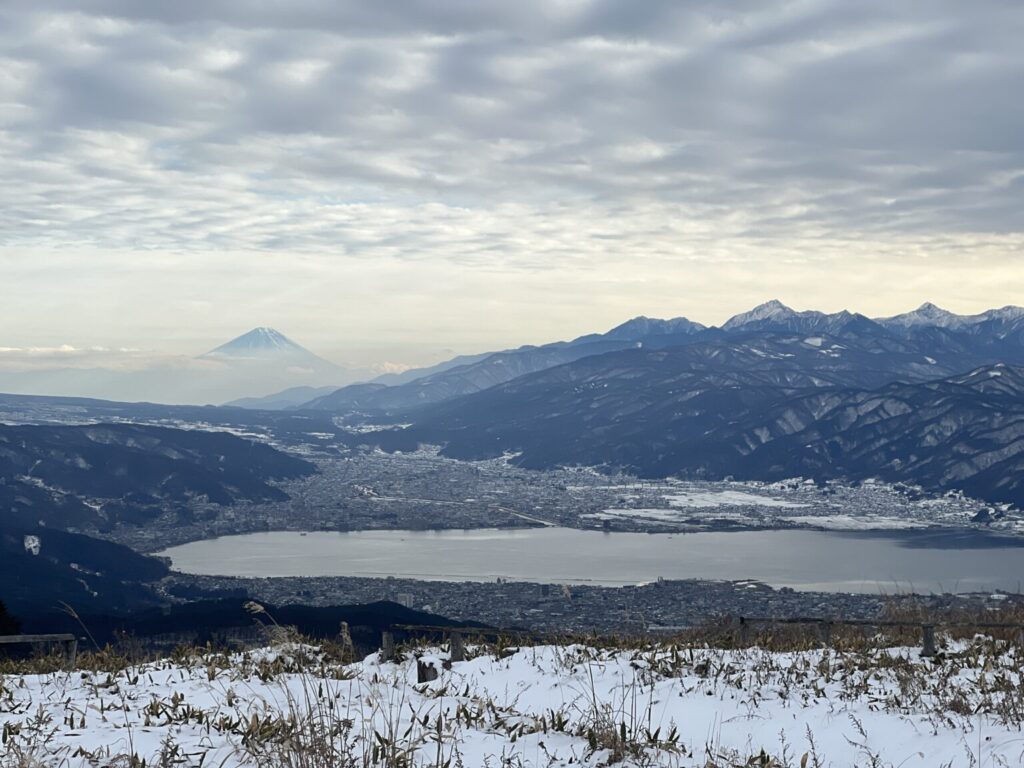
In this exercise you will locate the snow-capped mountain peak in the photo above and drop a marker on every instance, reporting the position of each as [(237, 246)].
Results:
[(259, 342), (930, 310), (927, 314), (1009, 313), (641, 326), (770, 310), (268, 347)]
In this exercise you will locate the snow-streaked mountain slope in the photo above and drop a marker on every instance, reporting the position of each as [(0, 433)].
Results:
[(776, 316), (445, 381), (930, 316), (927, 314), (769, 310)]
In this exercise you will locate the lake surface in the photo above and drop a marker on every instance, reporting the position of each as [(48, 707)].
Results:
[(921, 561)]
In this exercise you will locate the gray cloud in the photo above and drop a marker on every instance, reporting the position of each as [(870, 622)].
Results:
[(526, 136)]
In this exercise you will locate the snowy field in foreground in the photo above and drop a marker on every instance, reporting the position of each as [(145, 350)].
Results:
[(544, 706)]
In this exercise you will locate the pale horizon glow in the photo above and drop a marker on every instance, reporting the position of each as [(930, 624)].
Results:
[(390, 185)]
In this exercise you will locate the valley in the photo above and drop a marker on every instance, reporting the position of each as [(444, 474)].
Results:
[(577, 384), (902, 434), (424, 490)]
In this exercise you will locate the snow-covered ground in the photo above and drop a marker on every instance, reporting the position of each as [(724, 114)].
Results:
[(542, 706), (729, 498), (841, 522)]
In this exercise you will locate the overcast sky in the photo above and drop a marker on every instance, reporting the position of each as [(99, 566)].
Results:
[(371, 177)]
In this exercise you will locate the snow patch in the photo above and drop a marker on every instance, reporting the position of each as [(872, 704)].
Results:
[(701, 499)]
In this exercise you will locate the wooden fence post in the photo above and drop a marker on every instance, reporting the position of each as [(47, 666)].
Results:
[(825, 632), (387, 646), (927, 640), (70, 648), (458, 648)]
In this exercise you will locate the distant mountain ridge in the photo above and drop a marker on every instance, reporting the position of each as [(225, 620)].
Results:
[(926, 397), (930, 315), (926, 332), (480, 372), (292, 397), (460, 380)]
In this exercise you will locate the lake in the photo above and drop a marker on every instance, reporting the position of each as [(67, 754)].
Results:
[(921, 561)]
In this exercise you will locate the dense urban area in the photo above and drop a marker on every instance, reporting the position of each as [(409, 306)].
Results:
[(423, 490), (659, 606), (368, 489)]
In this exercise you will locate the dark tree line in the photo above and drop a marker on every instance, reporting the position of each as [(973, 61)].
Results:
[(8, 624)]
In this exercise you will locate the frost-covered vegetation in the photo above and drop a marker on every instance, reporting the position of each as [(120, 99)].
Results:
[(863, 702)]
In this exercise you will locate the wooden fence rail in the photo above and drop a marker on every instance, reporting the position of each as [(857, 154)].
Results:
[(927, 629), (745, 625), (67, 643)]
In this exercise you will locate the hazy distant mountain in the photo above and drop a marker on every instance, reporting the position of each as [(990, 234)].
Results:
[(251, 365), (962, 342), (454, 382), (631, 330), (287, 398), (483, 372), (264, 357), (391, 379), (271, 351)]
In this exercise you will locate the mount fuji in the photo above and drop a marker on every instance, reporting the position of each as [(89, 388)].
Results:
[(265, 357), (267, 345), (244, 369)]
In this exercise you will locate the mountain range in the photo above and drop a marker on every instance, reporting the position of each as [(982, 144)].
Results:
[(926, 397), (957, 343), (468, 374)]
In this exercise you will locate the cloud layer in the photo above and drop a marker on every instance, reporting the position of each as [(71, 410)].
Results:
[(647, 154)]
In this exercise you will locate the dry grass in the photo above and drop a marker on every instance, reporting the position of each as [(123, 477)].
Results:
[(314, 724)]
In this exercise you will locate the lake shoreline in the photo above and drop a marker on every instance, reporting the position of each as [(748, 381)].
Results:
[(937, 558)]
